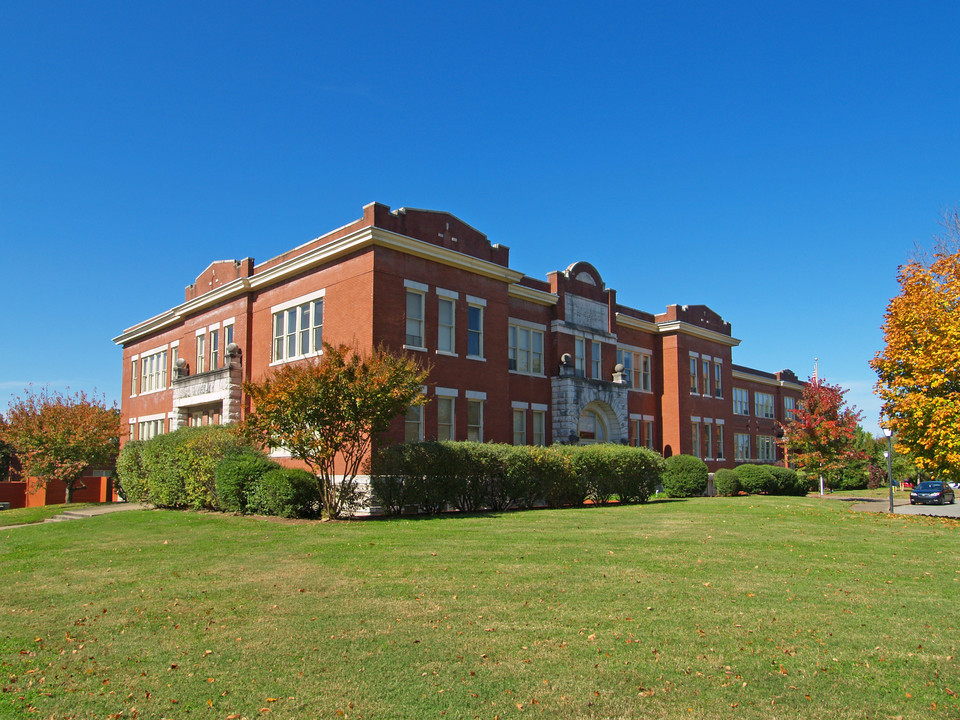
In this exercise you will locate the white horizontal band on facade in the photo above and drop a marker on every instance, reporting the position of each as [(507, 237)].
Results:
[(414, 285), (286, 305)]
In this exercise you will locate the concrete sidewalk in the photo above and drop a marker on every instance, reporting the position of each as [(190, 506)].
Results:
[(82, 513)]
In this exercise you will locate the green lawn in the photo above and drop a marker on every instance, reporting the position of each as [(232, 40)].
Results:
[(28, 516), (707, 608)]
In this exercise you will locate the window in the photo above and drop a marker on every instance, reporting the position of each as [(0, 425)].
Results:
[(766, 448), (763, 404), (707, 440), (741, 445), (475, 330), (201, 353), (719, 455), (214, 349), (694, 377), (648, 434), (525, 350), (789, 408), (148, 429), (579, 357), (228, 333), (741, 401), (475, 420), (174, 356), (445, 326), (644, 373), (595, 360), (717, 380), (298, 330), (539, 427), (519, 427), (133, 377), (153, 371), (705, 367), (445, 416), (414, 319), (413, 424), (695, 440)]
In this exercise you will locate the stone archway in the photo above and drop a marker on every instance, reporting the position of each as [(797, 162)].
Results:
[(598, 423)]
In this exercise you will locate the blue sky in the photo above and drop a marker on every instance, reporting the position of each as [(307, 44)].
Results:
[(775, 161)]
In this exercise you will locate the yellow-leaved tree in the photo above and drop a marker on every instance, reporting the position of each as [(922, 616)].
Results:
[(919, 369)]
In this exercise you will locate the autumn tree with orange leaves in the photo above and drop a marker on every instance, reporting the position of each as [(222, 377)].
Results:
[(57, 436), (821, 438), (327, 410), (919, 369)]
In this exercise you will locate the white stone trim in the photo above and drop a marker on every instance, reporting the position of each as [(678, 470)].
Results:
[(528, 324), (286, 305), (446, 392), (150, 418), (475, 395), (635, 349), (539, 407), (414, 285), (517, 405), (474, 300), (449, 294)]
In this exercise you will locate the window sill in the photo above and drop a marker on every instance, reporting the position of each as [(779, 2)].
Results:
[(284, 361), (476, 357), (524, 374), (414, 348), (444, 353)]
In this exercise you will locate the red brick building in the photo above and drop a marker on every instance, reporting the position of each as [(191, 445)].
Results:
[(515, 359)]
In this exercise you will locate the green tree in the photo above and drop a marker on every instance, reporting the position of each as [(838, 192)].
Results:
[(57, 436), (822, 436), (326, 411), (919, 368)]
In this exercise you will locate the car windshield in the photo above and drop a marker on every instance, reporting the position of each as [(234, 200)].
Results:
[(929, 487)]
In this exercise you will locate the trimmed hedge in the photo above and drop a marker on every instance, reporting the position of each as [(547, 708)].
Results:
[(772, 480), (727, 482), (685, 476), (431, 477), (212, 468)]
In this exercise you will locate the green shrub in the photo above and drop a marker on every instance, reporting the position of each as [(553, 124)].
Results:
[(389, 484), (756, 479), (131, 477), (684, 476), (727, 482), (237, 477), (636, 472), (786, 481), (286, 492), (590, 465)]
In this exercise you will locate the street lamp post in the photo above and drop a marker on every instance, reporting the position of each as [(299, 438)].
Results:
[(889, 453)]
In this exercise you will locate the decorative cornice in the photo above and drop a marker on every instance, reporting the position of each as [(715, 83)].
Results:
[(540, 297), (684, 328), (636, 323), (761, 380), (363, 238)]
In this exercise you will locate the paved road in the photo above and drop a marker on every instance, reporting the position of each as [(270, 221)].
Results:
[(902, 506)]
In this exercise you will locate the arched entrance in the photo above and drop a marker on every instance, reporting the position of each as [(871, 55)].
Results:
[(597, 424)]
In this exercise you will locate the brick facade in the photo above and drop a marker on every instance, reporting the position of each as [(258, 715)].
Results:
[(513, 358)]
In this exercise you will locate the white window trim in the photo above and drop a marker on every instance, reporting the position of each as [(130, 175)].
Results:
[(287, 305), (446, 392), (533, 327), (448, 294), (414, 285), (517, 405), (475, 395), (539, 407), (421, 289)]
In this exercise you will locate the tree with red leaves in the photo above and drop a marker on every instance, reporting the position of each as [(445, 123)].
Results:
[(57, 436), (821, 438)]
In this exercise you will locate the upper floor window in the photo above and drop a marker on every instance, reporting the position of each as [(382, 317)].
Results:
[(741, 401), (298, 330), (717, 380), (579, 357), (705, 369), (214, 349), (763, 405), (153, 369), (789, 408), (525, 350), (694, 377), (133, 377), (595, 363), (474, 330), (201, 365), (414, 337), (644, 373), (446, 326)]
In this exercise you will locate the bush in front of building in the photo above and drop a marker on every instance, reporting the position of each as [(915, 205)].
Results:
[(787, 481), (285, 492), (608, 471), (238, 476), (131, 478), (756, 479), (684, 476), (590, 465), (727, 482)]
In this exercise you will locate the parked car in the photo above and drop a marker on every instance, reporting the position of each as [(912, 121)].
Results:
[(932, 492)]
